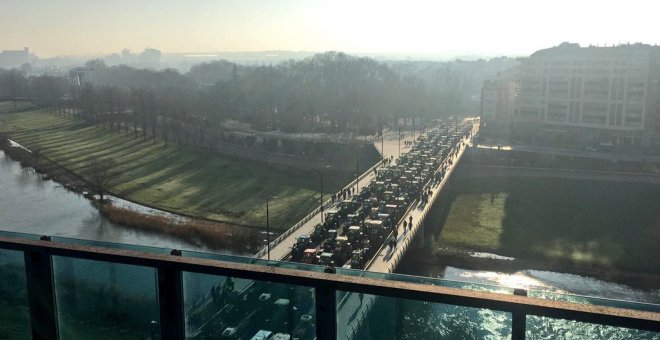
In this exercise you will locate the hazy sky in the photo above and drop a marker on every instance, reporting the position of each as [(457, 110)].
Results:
[(406, 27)]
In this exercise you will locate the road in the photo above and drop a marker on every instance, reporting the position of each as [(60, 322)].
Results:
[(391, 146), (354, 307)]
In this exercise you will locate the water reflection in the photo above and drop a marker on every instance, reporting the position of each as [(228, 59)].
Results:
[(30, 204)]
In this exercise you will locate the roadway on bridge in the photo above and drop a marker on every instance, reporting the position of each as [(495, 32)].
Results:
[(391, 145), (386, 260), (354, 307)]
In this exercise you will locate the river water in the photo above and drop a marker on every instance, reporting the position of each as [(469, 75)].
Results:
[(30, 204), (421, 320)]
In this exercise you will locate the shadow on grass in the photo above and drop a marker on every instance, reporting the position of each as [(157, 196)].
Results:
[(576, 222)]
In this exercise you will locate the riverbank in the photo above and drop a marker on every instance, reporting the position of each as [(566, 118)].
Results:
[(197, 232), (578, 223), (181, 179), (467, 259), (43, 165)]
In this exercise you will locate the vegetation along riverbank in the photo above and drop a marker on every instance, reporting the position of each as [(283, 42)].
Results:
[(544, 224), (180, 179)]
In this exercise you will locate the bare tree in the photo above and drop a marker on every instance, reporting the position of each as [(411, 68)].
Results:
[(102, 175)]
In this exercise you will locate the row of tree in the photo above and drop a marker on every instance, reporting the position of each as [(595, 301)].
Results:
[(330, 92)]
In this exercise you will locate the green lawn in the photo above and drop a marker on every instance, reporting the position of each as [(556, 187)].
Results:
[(586, 222), (182, 179)]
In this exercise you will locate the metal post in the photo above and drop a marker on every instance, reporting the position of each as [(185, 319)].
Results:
[(267, 230), (170, 301), (399, 141), (321, 207), (326, 313), (41, 295), (357, 170), (518, 319)]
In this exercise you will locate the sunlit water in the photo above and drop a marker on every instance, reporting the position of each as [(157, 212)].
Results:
[(436, 321), (422, 320), (29, 204)]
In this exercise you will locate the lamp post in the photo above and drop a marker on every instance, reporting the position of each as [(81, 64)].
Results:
[(399, 141), (414, 128), (268, 227), (357, 170), (321, 206)]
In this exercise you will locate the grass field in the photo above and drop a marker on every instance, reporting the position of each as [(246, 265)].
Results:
[(583, 222), (181, 179)]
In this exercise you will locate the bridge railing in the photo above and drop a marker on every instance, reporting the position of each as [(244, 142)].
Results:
[(43, 264), (313, 213)]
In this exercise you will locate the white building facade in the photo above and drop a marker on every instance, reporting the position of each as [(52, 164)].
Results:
[(606, 95)]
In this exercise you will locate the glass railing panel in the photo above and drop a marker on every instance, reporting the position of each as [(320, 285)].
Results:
[(218, 307), (549, 328), (14, 307), (251, 260), (112, 245), (219, 257), (589, 300), (425, 280), (13, 234), (364, 316), (102, 300)]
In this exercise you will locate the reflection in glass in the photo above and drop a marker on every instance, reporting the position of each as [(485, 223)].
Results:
[(100, 300), (364, 316), (218, 307), (14, 308)]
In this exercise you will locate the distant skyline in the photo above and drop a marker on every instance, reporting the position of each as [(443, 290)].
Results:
[(428, 29)]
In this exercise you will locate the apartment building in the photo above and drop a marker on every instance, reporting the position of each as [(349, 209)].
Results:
[(587, 95), (498, 100)]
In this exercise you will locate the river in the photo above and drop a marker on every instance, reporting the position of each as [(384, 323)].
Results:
[(29, 204), (416, 320)]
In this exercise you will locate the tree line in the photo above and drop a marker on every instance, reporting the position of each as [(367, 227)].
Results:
[(329, 92)]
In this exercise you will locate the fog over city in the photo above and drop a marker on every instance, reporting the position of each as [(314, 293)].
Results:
[(415, 29)]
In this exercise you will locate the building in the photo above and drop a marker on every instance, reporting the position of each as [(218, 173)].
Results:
[(572, 95), (14, 58), (498, 100), (600, 95), (150, 57)]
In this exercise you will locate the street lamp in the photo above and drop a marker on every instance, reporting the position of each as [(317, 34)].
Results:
[(357, 170), (321, 206), (268, 226), (399, 141)]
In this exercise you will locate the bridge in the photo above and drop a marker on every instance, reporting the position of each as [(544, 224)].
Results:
[(384, 261), (356, 307)]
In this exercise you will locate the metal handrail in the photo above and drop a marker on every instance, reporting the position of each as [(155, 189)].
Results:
[(38, 264)]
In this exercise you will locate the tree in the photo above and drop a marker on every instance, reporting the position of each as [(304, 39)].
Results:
[(36, 156), (101, 174), (13, 85)]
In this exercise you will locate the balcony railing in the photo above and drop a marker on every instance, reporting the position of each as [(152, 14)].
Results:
[(251, 296)]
